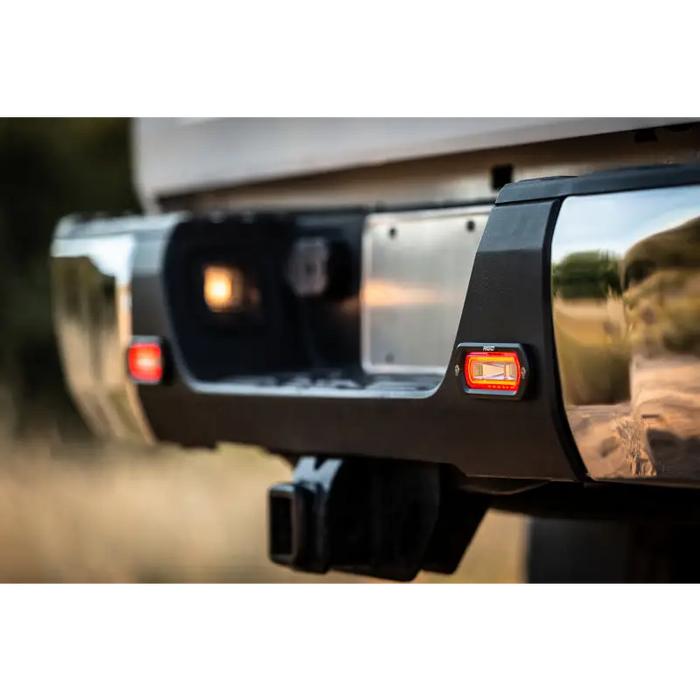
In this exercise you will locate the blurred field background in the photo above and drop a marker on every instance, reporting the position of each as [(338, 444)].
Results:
[(75, 511)]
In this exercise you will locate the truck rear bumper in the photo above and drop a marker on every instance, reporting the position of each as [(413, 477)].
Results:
[(594, 278)]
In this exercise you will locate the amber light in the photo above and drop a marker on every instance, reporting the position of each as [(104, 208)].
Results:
[(145, 362), (493, 371), (223, 288)]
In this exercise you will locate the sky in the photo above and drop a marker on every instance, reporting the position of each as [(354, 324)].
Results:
[(616, 222)]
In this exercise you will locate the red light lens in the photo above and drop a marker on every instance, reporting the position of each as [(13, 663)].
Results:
[(493, 371), (145, 361)]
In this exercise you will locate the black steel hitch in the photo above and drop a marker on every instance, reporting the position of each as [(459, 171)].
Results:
[(374, 518)]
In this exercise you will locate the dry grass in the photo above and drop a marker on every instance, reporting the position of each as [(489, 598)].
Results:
[(112, 515)]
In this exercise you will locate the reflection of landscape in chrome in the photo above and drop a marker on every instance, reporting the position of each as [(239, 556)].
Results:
[(629, 356), (93, 332)]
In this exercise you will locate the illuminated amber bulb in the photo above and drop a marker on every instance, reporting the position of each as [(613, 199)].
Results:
[(493, 371), (222, 288)]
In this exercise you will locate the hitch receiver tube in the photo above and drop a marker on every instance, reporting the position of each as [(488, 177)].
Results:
[(385, 520)]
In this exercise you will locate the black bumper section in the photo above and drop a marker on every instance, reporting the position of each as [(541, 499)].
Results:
[(508, 302)]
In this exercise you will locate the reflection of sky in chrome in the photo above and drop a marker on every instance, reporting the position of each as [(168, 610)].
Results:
[(111, 255), (616, 222)]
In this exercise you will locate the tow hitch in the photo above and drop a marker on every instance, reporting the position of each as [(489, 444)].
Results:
[(382, 519)]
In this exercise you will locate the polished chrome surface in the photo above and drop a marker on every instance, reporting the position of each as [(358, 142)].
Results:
[(416, 269), (626, 307), (91, 285)]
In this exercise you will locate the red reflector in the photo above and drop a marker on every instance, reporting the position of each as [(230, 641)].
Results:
[(493, 371), (145, 361)]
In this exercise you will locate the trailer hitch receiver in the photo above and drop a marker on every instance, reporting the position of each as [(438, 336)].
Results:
[(386, 520)]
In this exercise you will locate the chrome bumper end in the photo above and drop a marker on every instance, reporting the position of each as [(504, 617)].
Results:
[(91, 271), (626, 309)]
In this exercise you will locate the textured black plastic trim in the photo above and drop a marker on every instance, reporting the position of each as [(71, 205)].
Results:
[(644, 177)]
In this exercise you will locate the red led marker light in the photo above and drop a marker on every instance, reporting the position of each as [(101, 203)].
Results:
[(493, 371), (145, 362)]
